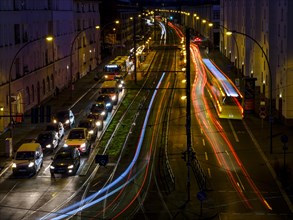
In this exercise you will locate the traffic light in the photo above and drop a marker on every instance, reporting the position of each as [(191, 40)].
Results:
[(102, 160)]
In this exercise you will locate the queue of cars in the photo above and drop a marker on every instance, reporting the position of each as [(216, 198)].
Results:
[(66, 160)]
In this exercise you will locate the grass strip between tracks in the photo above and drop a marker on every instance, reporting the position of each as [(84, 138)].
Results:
[(124, 128)]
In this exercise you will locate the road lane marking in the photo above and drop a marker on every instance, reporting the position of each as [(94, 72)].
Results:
[(209, 173), (233, 131)]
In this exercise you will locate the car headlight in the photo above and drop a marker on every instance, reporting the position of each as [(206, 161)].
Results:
[(31, 164), (106, 76), (52, 167), (54, 121), (48, 146), (120, 86), (113, 97), (98, 123), (91, 132), (65, 145), (14, 165), (70, 167), (103, 113), (67, 121), (108, 105)]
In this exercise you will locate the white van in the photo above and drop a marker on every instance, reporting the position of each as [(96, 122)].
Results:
[(28, 159)]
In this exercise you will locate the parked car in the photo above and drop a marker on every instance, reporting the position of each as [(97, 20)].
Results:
[(66, 117), (79, 138), (99, 108), (91, 127), (107, 101), (58, 127), (28, 159), (65, 161), (49, 140)]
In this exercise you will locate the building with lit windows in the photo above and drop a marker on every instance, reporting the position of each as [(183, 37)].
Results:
[(269, 23), (44, 44)]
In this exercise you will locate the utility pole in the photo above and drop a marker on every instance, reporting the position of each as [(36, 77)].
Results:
[(188, 112)]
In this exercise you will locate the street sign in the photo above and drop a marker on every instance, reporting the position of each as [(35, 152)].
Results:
[(102, 160)]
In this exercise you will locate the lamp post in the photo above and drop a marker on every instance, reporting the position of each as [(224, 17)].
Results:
[(197, 22), (104, 27), (271, 85), (71, 52), (188, 112), (11, 121), (229, 33), (237, 50), (51, 39)]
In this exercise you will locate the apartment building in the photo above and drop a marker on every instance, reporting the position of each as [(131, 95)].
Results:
[(265, 50), (44, 45)]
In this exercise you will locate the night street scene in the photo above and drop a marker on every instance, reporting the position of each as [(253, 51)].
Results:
[(146, 109)]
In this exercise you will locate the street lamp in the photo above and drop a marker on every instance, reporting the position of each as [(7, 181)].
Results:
[(103, 28), (271, 86), (71, 52), (229, 33), (51, 40), (11, 121), (188, 112)]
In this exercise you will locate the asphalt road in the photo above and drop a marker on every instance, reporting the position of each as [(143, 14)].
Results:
[(239, 183)]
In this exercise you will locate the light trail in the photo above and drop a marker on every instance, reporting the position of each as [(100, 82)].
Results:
[(200, 105), (229, 87), (147, 167), (68, 211), (163, 33)]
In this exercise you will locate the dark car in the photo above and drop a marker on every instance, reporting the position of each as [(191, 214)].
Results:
[(120, 80), (98, 120), (65, 161), (91, 127), (58, 127), (49, 140), (66, 117), (107, 101), (99, 108)]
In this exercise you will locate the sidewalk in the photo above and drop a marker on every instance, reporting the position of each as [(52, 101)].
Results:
[(281, 164)]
